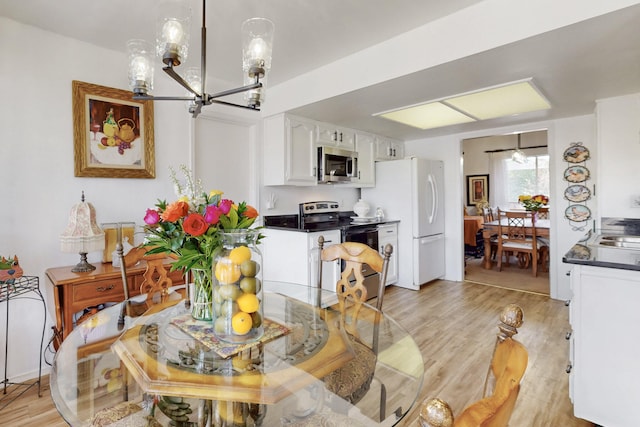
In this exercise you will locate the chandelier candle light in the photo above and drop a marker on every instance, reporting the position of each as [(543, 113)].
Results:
[(172, 45)]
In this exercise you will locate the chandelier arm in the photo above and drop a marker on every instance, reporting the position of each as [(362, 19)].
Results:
[(175, 76), (233, 91), (163, 98), (231, 104)]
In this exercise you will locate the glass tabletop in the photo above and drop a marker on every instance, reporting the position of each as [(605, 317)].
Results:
[(152, 370)]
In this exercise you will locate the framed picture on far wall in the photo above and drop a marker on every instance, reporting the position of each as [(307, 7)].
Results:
[(113, 133), (477, 189)]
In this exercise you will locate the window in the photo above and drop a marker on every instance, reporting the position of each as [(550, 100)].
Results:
[(530, 178), (510, 179)]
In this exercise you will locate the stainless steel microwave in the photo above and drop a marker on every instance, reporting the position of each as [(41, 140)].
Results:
[(336, 165)]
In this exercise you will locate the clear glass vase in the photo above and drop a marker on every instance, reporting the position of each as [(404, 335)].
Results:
[(201, 296), (237, 288)]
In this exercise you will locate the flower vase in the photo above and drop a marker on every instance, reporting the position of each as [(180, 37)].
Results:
[(201, 297), (237, 288)]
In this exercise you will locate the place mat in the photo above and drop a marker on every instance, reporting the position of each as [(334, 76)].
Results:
[(203, 332)]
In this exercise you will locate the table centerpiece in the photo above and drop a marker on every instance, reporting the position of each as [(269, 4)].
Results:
[(193, 228)]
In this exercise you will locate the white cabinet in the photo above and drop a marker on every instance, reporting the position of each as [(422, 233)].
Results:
[(328, 134), (292, 256), (388, 149), (388, 233), (289, 151), (604, 315), (366, 148)]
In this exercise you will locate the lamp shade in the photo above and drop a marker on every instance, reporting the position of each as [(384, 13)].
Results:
[(82, 234)]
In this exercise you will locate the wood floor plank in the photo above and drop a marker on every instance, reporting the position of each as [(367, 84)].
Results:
[(454, 324)]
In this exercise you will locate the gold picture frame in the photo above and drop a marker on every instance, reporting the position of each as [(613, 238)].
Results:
[(113, 134)]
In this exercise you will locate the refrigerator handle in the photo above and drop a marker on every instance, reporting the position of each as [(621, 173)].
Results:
[(434, 201)]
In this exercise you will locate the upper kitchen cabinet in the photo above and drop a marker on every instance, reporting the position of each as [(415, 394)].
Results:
[(289, 151), (328, 134), (389, 149), (366, 148)]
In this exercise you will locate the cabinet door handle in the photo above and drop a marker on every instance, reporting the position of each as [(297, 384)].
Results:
[(567, 302), (568, 336), (569, 368), (104, 288)]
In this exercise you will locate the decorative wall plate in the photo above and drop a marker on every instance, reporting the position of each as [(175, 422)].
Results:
[(577, 193), (579, 251), (577, 213), (576, 174), (576, 153)]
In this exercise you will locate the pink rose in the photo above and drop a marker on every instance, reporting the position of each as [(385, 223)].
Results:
[(212, 214), (152, 217), (225, 206)]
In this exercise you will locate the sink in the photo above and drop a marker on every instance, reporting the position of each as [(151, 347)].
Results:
[(620, 241)]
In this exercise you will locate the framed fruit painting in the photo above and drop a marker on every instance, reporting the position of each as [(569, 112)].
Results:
[(113, 133)]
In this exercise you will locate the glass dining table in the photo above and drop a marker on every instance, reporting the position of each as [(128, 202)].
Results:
[(148, 369)]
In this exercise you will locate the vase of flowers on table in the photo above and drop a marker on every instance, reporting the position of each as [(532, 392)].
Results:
[(191, 228), (533, 203)]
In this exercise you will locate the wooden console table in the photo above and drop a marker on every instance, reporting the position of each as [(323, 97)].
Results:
[(73, 292)]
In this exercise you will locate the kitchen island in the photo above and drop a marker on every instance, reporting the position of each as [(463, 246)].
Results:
[(603, 354)]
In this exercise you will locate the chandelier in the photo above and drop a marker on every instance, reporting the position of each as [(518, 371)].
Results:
[(518, 155), (172, 45)]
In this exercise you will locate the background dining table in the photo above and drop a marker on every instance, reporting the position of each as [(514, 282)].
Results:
[(149, 362), (492, 227)]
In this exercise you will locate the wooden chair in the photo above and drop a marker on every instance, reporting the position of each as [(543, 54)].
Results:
[(513, 237), (487, 213), (543, 213), (502, 383), (352, 381), (158, 288)]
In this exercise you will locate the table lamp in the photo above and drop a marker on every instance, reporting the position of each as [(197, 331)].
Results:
[(82, 235)]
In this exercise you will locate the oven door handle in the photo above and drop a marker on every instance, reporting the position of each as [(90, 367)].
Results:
[(362, 231)]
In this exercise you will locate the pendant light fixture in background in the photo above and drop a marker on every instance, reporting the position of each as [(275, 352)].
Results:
[(172, 45), (518, 155)]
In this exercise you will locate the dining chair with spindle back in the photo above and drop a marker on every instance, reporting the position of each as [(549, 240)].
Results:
[(517, 234), (352, 381)]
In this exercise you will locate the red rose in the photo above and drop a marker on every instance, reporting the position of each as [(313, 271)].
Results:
[(175, 211), (195, 225)]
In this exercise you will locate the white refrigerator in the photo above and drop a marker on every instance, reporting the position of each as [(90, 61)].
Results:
[(412, 190)]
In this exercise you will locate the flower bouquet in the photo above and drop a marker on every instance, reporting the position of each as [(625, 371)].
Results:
[(533, 203), (191, 228)]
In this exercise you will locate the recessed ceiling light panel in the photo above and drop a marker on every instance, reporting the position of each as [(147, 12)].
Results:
[(489, 103), (501, 101), (428, 116)]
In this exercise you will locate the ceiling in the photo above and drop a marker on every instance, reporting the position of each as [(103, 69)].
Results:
[(572, 66)]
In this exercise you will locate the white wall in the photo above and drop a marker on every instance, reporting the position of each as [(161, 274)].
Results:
[(37, 164), (449, 149)]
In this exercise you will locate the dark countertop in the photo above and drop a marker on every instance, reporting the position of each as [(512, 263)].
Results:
[(291, 223), (588, 251)]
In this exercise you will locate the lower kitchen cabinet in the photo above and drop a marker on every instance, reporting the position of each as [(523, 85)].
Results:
[(388, 233), (292, 256), (604, 376)]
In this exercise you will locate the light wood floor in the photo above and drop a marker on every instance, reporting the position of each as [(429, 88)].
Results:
[(455, 325)]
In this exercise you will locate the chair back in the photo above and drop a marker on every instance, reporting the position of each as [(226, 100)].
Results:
[(508, 365), (355, 254), (543, 213), (487, 214), (513, 226)]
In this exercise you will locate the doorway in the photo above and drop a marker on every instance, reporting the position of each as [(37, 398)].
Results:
[(489, 159)]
